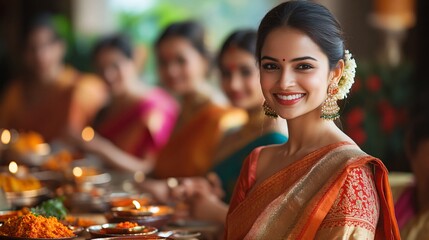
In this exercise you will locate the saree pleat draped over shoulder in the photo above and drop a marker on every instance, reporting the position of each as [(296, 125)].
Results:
[(335, 192)]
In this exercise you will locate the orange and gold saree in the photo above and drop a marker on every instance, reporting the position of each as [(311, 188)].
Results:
[(335, 192), (190, 150)]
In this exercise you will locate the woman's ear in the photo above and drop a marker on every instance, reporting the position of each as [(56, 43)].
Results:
[(337, 72)]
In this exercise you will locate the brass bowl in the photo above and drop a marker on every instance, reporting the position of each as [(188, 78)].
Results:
[(151, 237), (110, 230), (150, 210), (153, 215), (28, 198)]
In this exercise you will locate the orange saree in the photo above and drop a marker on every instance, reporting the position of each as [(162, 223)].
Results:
[(68, 104), (335, 192), (190, 150)]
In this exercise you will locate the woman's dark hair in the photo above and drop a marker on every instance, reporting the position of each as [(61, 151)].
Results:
[(117, 41), (191, 31), (42, 20), (311, 18), (244, 39)]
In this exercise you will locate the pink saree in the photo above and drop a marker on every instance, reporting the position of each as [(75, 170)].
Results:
[(335, 192), (144, 127)]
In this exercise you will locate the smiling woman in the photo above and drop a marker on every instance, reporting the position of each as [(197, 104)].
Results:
[(183, 67), (319, 184)]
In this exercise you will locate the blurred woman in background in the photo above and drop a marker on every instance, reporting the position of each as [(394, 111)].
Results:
[(240, 83), (208, 197), (50, 97), (138, 119), (412, 197), (183, 66)]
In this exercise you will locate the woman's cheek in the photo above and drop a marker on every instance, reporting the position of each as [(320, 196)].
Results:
[(267, 82)]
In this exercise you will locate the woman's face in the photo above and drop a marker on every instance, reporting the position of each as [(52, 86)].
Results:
[(43, 51), (240, 78), (294, 73), (116, 69), (420, 159), (181, 67)]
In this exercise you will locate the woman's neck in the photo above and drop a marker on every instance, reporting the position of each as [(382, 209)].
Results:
[(309, 131), (50, 76), (190, 105)]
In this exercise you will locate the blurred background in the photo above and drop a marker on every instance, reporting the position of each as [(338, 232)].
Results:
[(387, 38)]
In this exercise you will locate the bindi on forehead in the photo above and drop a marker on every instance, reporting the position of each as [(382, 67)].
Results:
[(283, 59), (232, 66)]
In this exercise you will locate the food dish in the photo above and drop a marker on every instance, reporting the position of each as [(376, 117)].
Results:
[(151, 210), (110, 230), (184, 234), (76, 229), (4, 215), (28, 198), (151, 237), (12, 184), (32, 226), (154, 215), (22, 238)]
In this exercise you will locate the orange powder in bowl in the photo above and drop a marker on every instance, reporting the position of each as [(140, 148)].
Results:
[(126, 225), (31, 226)]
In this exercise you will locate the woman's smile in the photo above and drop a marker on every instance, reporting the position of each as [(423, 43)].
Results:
[(288, 98)]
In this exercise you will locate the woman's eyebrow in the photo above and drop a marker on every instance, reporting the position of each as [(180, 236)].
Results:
[(293, 60), (303, 58), (269, 58)]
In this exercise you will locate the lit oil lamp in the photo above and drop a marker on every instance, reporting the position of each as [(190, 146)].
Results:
[(77, 172), (16, 170), (88, 134), (135, 210), (136, 204), (13, 167), (5, 137)]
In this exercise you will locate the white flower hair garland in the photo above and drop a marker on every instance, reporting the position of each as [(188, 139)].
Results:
[(348, 76)]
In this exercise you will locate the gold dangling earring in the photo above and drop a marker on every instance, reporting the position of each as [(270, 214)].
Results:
[(330, 108), (269, 111)]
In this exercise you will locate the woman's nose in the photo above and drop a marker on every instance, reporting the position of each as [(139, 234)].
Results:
[(235, 83), (287, 79)]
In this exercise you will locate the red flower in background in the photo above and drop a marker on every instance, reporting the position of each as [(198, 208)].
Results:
[(358, 135), (355, 117), (373, 83), (388, 116)]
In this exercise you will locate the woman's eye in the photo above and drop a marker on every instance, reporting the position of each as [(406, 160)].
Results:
[(245, 72), (304, 66), (181, 60), (269, 66), (226, 74)]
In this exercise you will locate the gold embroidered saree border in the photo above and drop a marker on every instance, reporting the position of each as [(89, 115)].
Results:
[(292, 203)]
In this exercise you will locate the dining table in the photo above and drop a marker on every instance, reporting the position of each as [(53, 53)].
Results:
[(91, 199)]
